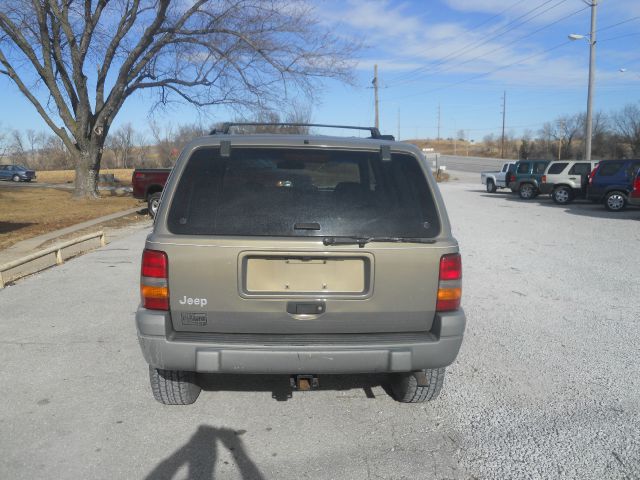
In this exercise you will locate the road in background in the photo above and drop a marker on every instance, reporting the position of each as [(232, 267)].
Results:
[(472, 164), (547, 384)]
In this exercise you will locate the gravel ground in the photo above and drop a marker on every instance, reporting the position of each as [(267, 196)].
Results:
[(546, 384)]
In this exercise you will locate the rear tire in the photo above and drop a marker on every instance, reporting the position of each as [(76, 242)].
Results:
[(615, 201), (16, 178), (173, 387), (491, 187), (527, 191), (405, 387), (562, 195), (154, 203)]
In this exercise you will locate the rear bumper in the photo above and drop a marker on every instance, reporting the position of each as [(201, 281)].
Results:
[(366, 353)]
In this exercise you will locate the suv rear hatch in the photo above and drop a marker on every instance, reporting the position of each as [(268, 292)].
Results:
[(302, 240)]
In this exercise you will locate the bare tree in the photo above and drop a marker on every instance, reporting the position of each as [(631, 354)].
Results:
[(121, 143), (627, 126), (17, 147), (89, 56), (142, 149), (4, 145), (56, 153), (164, 142)]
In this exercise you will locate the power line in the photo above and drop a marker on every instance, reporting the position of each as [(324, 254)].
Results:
[(492, 51), (619, 23), (485, 73), (446, 69), (618, 37), (499, 68), (473, 46)]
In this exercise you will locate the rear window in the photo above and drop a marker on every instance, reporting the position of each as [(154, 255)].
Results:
[(556, 168), (523, 168), (608, 169), (580, 169), (632, 169), (540, 167), (302, 192)]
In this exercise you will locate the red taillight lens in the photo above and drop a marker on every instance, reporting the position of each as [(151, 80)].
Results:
[(154, 264), (544, 179), (154, 289), (636, 187), (451, 267), (450, 285), (593, 174)]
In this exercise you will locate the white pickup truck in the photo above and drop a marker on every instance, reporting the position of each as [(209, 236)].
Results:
[(496, 180)]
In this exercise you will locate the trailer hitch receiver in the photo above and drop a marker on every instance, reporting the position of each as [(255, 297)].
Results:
[(304, 382)]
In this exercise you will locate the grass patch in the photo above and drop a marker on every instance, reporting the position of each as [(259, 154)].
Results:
[(442, 176), (29, 212), (123, 175)]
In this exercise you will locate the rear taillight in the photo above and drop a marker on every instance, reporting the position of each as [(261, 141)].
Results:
[(154, 288), (450, 283), (593, 174), (636, 187), (544, 179), (510, 177)]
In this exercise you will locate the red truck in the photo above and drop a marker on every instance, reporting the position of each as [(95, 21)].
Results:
[(147, 185)]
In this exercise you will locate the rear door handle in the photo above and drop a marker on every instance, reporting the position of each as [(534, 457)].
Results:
[(306, 308)]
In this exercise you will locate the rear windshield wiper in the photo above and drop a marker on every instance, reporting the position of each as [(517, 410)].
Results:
[(362, 241)]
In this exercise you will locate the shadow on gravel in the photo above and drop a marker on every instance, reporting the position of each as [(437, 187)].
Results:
[(578, 207), (200, 453), (280, 387)]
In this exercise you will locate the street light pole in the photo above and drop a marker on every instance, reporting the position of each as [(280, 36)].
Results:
[(592, 73)]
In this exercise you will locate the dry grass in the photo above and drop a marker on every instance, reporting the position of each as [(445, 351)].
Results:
[(28, 212), (107, 227), (441, 177), (123, 175)]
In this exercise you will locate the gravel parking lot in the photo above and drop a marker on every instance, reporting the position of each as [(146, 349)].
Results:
[(547, 384)]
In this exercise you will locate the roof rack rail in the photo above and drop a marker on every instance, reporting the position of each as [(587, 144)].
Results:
[(375, 133)]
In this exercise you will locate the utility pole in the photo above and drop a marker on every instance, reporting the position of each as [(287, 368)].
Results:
[(504, 116), (375, 94), (560, 139), (592, 73), (438, 122), (468, 140)]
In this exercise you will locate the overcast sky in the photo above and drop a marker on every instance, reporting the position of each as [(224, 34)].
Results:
[(459, 54)]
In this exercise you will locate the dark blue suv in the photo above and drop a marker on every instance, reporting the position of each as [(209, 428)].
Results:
[(611, 182)]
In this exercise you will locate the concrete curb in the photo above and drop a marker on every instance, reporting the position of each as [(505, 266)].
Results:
[(49, 257), (22, 248)]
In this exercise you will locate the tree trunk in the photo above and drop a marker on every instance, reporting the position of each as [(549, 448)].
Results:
[(87, 161)]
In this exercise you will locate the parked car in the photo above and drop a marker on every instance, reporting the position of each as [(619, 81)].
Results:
[(16, 173), (634, 196), (262, 260), (527, 177), (611, 183), (566, 180), (147, 185), (496, 180)]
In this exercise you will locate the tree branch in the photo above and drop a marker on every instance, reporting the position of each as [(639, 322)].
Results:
[(10, 71), (45, 74)]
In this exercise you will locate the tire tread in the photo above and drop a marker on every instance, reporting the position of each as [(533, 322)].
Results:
[(405, 387), (173, 387)]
